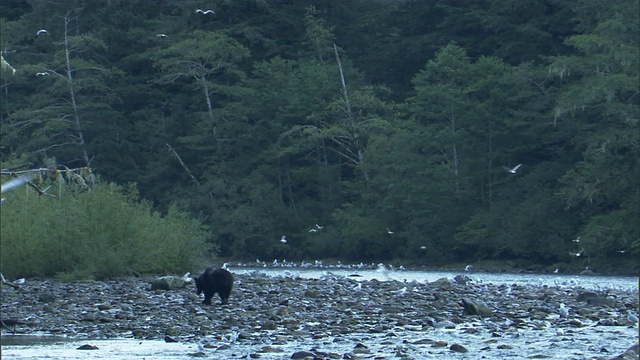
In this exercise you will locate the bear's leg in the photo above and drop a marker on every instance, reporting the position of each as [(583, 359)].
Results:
[(207, 298), (223, 299)]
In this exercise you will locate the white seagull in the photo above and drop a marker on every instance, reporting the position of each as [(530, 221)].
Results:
[(14, 183), (423, 247), (284, 239), (42, 31), (564, 311), (468, 268), (514, 169), (205, 12), (42, 73), (576, 240), (313, 230), (319, 227), (20, 281), (162, 35), (389, 231)]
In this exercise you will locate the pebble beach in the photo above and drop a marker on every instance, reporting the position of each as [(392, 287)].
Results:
[(335, 317)]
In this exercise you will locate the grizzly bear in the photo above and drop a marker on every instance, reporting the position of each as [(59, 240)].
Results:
[(214, 281)]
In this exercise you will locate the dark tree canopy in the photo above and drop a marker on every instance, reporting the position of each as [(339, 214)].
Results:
[(269, 117)]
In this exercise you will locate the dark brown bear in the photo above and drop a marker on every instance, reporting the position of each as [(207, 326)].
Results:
[(214, 281)]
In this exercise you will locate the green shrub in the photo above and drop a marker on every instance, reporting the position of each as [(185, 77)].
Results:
[(99, 233)]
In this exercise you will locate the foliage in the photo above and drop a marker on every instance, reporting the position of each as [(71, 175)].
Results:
[(361, 116), (101, 233)]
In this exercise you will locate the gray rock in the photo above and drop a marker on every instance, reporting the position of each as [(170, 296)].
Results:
[(476, 308), (168, 283)]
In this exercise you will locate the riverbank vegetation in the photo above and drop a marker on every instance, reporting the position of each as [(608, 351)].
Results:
[(422, 131), (98, 233)]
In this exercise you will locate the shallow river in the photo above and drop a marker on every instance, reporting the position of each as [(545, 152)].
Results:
[(553, 342)]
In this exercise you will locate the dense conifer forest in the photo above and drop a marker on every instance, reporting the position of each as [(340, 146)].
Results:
[(427, 132)]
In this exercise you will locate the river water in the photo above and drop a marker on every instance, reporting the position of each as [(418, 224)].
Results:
[(587, 342)]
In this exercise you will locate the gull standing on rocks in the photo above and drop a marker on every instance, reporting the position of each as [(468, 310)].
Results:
[(564, 311), (468, 268)]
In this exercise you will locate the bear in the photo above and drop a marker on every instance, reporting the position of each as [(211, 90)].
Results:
[(214, 281)]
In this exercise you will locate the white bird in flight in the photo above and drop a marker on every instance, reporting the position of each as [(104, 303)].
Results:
[(577, 240), (514, 169), (319, 227), (389, 231), (468, 268), (205, 12), (14, 183), (284, 239), (42, 73), (42, 31), (162, 35), (313, 230)]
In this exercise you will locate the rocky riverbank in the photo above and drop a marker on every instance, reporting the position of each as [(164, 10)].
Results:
[(266, 313)]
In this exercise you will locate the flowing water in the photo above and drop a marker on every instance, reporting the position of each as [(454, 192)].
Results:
[(577, 343)]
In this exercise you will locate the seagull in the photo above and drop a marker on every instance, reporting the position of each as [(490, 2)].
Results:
[(42, 31), (42, 74), (577, 240), (284, 239), (423, 247), (205, 12), (20, 281), (564, 311), (621, 251), (556, 271), (319, 227), (313, 230), (389, 231), (14, 183), (162, 35), (632, 318), (515, 169), (468, 268), (579, 253)]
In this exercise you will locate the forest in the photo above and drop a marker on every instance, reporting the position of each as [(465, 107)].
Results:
[(424, 132)]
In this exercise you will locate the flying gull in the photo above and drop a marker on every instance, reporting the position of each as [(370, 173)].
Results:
[(42, 73), (42, 31), (14, 183), (514, 169), (205, 12), (284, 239)]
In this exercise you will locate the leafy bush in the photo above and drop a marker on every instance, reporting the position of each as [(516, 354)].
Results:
[(100, 233)]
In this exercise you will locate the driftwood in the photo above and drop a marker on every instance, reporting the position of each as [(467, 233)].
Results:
[(5, 282), (10, 324)]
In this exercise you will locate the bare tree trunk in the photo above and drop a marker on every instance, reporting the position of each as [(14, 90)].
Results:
[(72, 94)]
